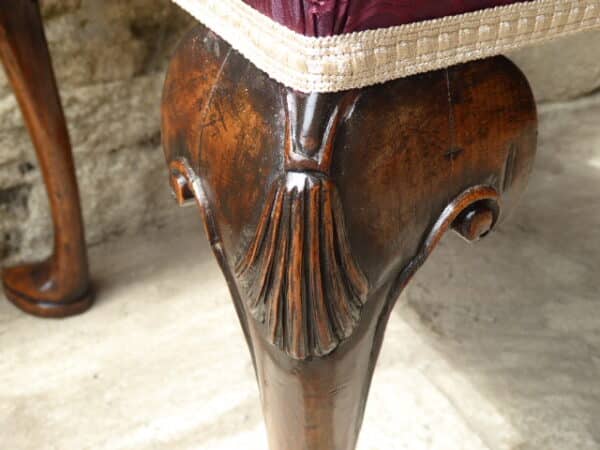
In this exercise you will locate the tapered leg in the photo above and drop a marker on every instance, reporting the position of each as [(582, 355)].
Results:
[(59, 286), (321, 207)]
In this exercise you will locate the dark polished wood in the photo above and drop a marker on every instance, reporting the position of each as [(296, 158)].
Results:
[(60, 285), (321, 207)]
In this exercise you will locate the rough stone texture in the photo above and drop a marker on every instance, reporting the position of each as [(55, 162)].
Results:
[(110, 57), (494, 346)]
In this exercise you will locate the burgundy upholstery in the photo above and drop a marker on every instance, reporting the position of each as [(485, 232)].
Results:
[(330, 17)]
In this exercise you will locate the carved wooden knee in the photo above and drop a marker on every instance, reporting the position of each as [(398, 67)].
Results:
[(321, 207)]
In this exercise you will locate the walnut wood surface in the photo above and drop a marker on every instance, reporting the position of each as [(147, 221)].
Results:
[(59, 286), (321, 207)]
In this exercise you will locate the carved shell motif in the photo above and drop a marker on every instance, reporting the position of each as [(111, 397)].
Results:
[(298, 274)]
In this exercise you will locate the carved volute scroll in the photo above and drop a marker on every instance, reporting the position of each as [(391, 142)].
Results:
[(321, 207), (298, 273)]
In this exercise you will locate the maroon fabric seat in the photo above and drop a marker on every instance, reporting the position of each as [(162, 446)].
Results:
[(321, 18)]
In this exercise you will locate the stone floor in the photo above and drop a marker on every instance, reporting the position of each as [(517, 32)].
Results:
[(494, 346)]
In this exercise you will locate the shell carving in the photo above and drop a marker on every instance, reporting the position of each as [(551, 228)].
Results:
[(298, 273)]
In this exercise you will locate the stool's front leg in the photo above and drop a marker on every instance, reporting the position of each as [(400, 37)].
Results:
[(321, 207), (59, 286)]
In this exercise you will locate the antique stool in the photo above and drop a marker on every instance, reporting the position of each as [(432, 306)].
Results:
[(59, 286), (329, 145)]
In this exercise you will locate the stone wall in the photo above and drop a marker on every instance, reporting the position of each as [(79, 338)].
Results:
[(110, 57)]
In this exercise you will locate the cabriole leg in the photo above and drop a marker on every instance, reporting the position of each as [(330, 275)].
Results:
[(321, 207), (59, 286)]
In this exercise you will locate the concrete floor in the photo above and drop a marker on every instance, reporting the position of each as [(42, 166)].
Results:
[(494, 346)]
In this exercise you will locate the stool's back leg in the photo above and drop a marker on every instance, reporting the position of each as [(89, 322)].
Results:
[(58, 286)]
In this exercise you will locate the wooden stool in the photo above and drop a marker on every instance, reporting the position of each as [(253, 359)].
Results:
[(329, 146)]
